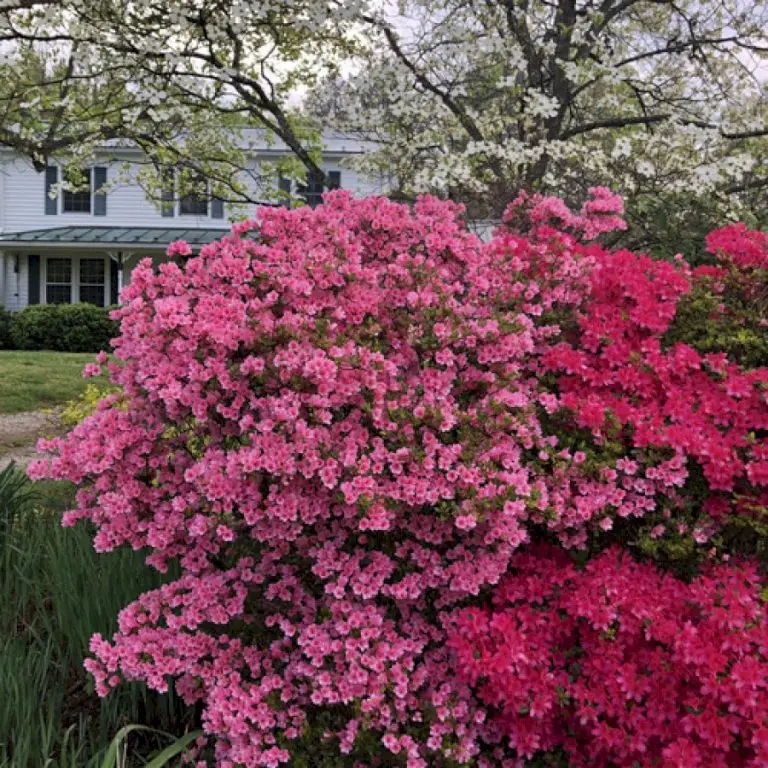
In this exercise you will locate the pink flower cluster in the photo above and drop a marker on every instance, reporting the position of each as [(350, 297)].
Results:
[(620, 665), (602, 212), (342, 424), (737, 245)]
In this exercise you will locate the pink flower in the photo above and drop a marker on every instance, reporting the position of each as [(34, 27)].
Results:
[(178, 248), (466, 522), (91, 369)]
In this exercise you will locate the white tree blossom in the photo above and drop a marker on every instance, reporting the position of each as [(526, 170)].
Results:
[(194, 83), (476, 98)]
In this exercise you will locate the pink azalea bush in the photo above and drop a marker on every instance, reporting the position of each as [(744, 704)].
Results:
[(344, 428)]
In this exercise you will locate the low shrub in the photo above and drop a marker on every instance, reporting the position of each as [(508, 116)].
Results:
[(5, 329), (63, 328)]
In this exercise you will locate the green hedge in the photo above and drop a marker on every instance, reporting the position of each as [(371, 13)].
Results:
[(63, 328), (5, 329)]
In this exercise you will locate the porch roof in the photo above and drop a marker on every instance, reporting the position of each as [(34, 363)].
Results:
[(126, 237)]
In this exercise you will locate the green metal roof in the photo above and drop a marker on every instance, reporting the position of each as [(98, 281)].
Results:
[(157, 237)]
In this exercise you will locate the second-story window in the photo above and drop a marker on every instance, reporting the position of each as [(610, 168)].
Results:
[(87, 193), (80, 200), (312, 191), (195, 203), (199, 199)]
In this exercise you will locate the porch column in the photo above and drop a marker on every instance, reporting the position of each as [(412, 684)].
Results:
[(119, 261), (2, 279)]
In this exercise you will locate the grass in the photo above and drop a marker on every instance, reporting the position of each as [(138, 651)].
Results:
[(56, 592), (30, 381)]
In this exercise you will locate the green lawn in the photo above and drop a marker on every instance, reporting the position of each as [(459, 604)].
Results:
[(30, 381)]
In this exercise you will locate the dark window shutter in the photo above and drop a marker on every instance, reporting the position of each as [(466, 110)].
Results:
[(51, 178), (217, 208), (33, 272), (334, 179), (99, 200), (284, 189), (113, 270), (167, 195)]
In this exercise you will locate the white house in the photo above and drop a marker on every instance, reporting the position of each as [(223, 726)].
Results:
[(81, 246)]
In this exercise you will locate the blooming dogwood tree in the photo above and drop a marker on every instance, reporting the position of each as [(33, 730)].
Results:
[(477, 99), (662, 100), (344, 424), (194, 84)]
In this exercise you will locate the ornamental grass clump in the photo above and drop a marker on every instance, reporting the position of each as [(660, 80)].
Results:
[(343, 429)]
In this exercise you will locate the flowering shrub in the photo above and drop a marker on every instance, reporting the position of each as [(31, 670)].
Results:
[(626, 374), (727, 308), (621, 665), (344, 428)]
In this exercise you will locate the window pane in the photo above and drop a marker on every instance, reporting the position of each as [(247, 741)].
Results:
[(59, 271), (191, 205), (58, 294), (312, 191), (77, 202), (92, 271), (80, 201), (92, 294)]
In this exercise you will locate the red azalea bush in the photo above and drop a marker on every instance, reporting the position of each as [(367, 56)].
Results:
[(344, 428), (726, 311), (621, 665)]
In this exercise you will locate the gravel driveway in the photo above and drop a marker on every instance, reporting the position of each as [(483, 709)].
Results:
[(19, 433)]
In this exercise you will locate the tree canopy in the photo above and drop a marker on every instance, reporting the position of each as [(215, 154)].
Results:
[(195, 84), (478, 98), (663, 100)]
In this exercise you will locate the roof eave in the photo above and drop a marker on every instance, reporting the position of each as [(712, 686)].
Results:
[(78, 244)]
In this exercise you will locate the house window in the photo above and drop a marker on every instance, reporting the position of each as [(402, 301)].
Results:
[(192, 205), (195, 203), (80, 201), (92, 281), (312, 191), (58, 281)]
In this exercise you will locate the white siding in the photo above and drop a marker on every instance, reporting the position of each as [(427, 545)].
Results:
[(23, 201), (15, 282), (127, 205)]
